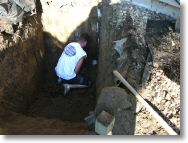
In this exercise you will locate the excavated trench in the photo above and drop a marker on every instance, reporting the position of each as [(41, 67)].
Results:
[(30, 93), (51, 101), (33, 103), (47, 100)]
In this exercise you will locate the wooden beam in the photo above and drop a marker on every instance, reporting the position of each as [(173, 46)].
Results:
[(148, 107)]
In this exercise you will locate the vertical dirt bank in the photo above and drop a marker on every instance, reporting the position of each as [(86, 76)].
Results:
[(21, 59)]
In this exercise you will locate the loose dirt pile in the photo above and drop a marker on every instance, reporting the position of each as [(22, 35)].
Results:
[(163, 88), (147, 53)]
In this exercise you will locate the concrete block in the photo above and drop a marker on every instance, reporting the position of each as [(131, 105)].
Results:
[(104, 123)]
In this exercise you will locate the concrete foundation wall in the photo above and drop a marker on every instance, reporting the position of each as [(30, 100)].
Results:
[(168, 7)]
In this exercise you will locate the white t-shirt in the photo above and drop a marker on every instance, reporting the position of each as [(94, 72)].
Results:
[(66, 65)]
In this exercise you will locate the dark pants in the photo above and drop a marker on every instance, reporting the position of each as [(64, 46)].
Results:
[(79, 79)]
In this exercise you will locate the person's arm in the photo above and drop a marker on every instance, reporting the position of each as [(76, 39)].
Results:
[(79, 65)]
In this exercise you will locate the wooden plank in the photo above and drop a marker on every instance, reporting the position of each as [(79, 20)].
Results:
[(148, 107)]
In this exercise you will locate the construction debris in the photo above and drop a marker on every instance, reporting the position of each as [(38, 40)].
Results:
[(12, 12), (119, 46)]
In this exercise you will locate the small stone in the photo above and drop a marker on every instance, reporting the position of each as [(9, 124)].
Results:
[(167, 104), (145, 124), (169, 115), (155, 65), (168, 97), (10, 44), (173, 44)]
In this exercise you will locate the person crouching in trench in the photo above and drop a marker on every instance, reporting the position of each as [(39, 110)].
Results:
[(70, 63)]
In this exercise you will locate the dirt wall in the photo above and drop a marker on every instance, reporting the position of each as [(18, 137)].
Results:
[(62, 18), (21, 58)]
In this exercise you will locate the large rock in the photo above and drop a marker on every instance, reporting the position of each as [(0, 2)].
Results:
[(117, 102)]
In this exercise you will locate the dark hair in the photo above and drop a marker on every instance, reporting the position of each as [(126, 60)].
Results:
[(84, 37)]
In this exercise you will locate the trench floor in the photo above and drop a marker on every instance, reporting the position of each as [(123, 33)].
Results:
[(74, 106)]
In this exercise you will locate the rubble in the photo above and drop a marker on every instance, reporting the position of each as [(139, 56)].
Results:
[(163, 90), (13, 11), (152, 53)]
